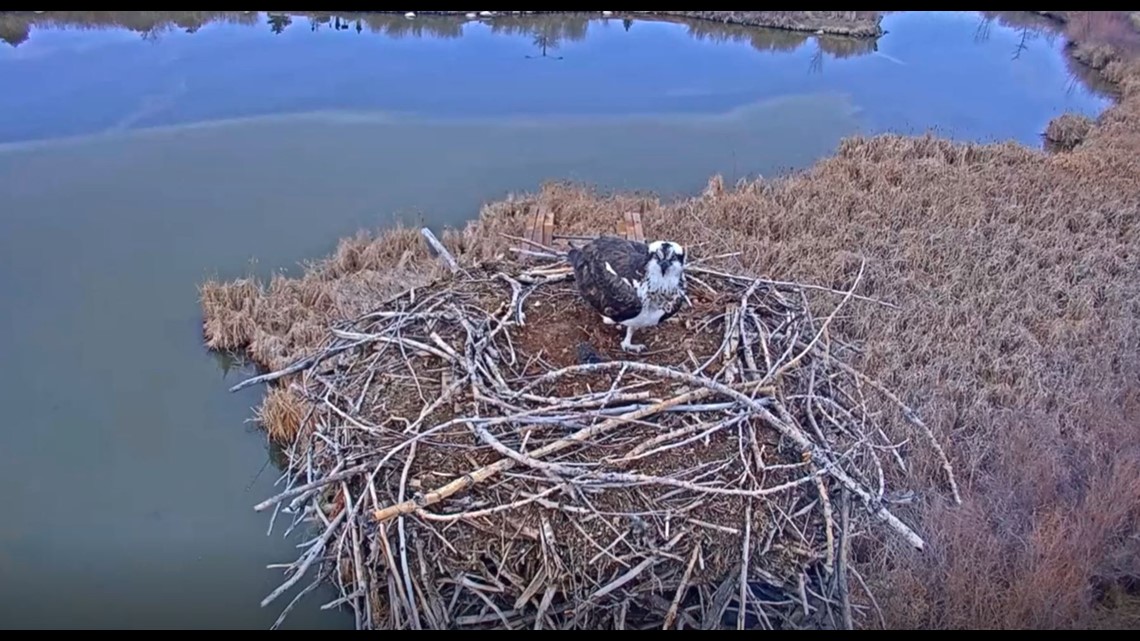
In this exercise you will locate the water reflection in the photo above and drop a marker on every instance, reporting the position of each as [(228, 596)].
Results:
[(16, 26), (1034, 29), (548, 30)]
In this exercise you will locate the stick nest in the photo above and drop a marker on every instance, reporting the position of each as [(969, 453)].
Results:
[(480, 453)]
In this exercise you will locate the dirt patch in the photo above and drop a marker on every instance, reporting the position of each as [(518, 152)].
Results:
[(559, 322)]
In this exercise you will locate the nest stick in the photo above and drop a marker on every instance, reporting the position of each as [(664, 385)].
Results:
[(913, 419), (789, 430), (745, 555), (308, 559), (671, 615), (844, 551), (472, 478)]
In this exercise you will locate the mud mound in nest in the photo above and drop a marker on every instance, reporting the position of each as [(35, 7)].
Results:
[(469, 467)]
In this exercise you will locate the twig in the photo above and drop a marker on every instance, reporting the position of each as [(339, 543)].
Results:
[(308, 559), (788, 430), (745, 545), (844, 547), (404, 543), (317, 484), (297, 366), (472, 478), (671, 615), (823, 328), (828, 524), (913, 418), (634, 571), (789, 285)]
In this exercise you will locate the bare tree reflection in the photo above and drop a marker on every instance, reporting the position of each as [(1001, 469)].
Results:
[(545, 42), (556, 28), (1029, 27), (1022, 44), (982, 32)]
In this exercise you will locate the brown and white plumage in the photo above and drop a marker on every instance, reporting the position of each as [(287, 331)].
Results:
[(630, 283)]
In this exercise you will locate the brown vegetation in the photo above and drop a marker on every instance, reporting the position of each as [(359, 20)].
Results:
[(1067, 131), (282, 414), (1017, 339)]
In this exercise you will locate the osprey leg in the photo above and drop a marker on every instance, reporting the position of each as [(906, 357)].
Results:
[(627, 343)]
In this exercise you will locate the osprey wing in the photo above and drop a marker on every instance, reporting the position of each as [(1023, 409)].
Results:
[(608, 272)]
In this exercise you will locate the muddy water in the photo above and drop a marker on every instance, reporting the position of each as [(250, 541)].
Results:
[(142, 152)]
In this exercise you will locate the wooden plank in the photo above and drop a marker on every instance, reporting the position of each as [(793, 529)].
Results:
[(535, 220), (531, 223), (547, 225), (638, 230), (630, 226)]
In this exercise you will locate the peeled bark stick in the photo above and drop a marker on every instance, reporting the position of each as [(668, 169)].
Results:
[(444, 255), (472, 478)]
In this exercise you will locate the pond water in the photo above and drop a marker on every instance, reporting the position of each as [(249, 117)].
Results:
[(141, 152)]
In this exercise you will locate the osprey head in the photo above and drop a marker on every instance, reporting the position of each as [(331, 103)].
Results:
[(667, 258)]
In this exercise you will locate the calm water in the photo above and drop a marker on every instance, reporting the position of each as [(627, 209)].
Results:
[(141, 153)]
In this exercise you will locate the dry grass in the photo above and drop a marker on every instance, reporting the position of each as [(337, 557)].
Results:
[(283, 413), (1017, 342), (1067, 131)]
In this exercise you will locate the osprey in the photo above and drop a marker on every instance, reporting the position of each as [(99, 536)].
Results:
[(629, 283)]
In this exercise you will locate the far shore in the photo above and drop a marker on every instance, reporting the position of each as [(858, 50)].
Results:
[(857, 24), (15, 26)]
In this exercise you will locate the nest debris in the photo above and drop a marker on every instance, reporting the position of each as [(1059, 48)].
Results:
[(468, 468)]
